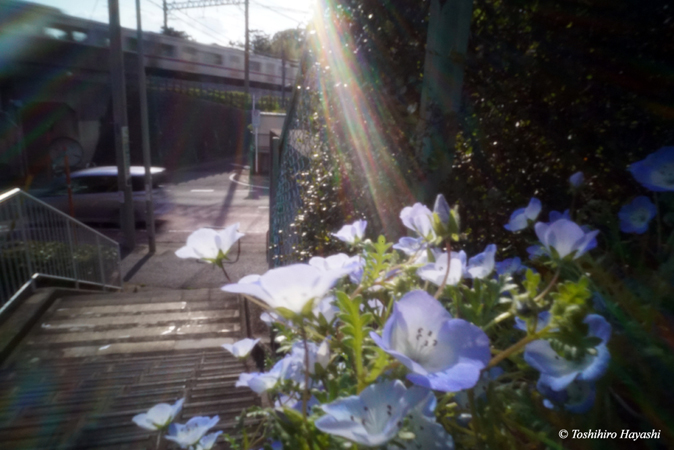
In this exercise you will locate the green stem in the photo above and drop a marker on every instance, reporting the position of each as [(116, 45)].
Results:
[(476, 420), (498, 319), (496, 360), (547, 289)]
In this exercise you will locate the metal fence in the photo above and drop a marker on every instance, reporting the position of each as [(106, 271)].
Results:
[(267, 100), (304, 181), (40, 242)]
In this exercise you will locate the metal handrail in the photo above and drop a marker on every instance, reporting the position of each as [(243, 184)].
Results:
[(37, 241)]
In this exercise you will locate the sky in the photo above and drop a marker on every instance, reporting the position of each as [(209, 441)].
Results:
[(215, 24)]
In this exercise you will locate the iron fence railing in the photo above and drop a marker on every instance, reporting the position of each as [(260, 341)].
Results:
[(268, 100), (38, 241)]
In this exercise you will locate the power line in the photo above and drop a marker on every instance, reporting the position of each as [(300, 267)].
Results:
[(218, 35), (279, 13)]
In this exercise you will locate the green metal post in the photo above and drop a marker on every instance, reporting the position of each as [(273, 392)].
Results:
[(446, 45)]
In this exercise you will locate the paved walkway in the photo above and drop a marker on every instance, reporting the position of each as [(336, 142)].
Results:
[(94, 361)]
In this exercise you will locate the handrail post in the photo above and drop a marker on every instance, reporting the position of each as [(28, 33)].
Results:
[(29, 262), (72, 255), (100, 262)]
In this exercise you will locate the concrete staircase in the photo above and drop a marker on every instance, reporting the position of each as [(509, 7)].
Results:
[(93, 361)]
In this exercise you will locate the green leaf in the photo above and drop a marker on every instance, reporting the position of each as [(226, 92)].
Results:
[(531, 282), (354, 330), (377, 366)]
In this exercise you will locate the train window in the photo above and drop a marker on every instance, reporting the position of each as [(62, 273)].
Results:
[(213, 58), (167, 50), (190, 51), (79, 36), (56, 33), (270, 68), (256, 66), (235, 59)]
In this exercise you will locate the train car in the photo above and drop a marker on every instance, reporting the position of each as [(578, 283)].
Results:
[(166, 53), (43, 38)]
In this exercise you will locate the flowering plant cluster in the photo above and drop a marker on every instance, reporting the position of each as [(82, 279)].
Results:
[(417, 345)]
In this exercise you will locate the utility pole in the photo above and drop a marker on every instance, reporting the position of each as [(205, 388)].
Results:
[(446, 45), (121, 128), (246, 82), (165, 15), (283, 76), (144, 127)]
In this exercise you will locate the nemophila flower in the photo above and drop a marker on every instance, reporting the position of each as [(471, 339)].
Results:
[(428, 434), (375, 305), (210, 245), (326, 306), (556, 215), (558, 372), (436, 272), (520, 218), (290, 287), (509, 266), (576, 180), (352, 233), (410, 246), (419, 219), (656, 172), (207, 442), (578, 397), (372, 418), (542, 322), (190, 434), (242, 348), (159, 416), (260, 382), (353, 265), (293, 364), (636, 215), (443, 353), (482, 265), (565, 238)]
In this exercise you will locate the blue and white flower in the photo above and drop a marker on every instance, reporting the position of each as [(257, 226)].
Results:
[(556, 215), (210, 245), (374, 417), (207, 442), (636, 215), (520, 218), (189, 434), (435, 272), (410, 246), (419, 219), (261, 382), (353, 233), (326, 306), (242, 348), (576, 180), (443, 353), (482, 265), (159, 416), (428, 434), (290, 287), (352, 265), (565, 238), (656, 172), (578, 397), (558, 372), (509, 266)]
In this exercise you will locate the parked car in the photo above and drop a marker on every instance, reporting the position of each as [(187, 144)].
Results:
[(96, 198)]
